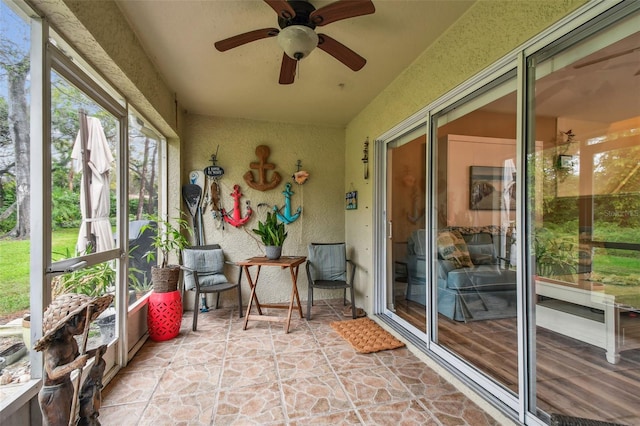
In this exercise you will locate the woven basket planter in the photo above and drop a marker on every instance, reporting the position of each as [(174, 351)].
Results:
[(165, 279)]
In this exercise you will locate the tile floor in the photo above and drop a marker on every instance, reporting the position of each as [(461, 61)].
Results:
[(223, 375)]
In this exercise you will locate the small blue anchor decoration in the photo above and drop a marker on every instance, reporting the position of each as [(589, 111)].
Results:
[(287, 217)]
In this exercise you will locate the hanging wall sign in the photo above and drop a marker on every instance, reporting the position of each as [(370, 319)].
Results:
[(351, 200), (214, 171), (212, 190)]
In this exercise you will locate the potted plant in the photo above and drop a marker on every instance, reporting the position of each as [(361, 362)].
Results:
[(94, 280), (554, 256), (273, 234), (167, 240)]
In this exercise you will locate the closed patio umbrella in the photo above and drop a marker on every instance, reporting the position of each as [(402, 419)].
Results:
[(93, 159)]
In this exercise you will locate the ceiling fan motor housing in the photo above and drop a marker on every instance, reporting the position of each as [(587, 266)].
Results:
[(297, 41), (298, 37), (303, 9)]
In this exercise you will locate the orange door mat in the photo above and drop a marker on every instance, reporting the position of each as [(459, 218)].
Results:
[(365, 335)]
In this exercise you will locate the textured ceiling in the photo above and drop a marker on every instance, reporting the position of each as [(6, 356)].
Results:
[(243, 82)]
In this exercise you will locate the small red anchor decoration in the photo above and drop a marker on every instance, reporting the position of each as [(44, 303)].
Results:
[(235, 219)]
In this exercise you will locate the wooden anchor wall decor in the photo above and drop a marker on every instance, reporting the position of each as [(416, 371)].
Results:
[(286, 216), (262, 152), (235, 217)]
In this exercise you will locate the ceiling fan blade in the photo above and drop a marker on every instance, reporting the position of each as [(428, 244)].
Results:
[(341, 52), (240, 39), (341, 10), (282, 8), (606, 58), (287, 70)]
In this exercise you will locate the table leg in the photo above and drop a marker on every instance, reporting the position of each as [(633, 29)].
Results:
[(612, 332), (295, 286), (252, 285), (295, 298), (255, 296)]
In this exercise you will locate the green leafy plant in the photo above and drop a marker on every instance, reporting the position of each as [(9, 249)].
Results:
[(139, 286), (554, 256), (94, 280), (167, 238), (272, 232)]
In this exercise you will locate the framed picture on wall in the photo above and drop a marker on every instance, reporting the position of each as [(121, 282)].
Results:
[(492, 188), (351, 200)]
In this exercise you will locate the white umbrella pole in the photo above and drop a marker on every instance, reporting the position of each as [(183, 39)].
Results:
[(84, 140)]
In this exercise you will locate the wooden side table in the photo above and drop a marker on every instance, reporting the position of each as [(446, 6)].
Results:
[(291, 262)]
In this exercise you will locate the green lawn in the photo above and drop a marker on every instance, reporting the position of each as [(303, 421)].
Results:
[(14, 268)]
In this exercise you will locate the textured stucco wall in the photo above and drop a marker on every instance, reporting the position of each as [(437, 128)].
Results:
[(322, 197), (486, 32)]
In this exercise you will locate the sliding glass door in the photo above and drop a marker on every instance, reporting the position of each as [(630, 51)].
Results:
[(584, 216), (405, 207), (523, 274), (474, 263)]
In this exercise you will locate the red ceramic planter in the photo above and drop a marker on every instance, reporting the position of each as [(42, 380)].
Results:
[(164, 316)]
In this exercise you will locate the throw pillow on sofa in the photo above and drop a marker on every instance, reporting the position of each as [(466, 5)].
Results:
[(452, 247)]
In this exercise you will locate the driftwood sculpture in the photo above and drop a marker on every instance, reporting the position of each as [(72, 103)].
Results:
[(67, 316)]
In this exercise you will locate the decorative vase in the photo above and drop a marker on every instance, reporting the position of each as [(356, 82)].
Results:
[(165, 279), (164, 316), (273, 252)]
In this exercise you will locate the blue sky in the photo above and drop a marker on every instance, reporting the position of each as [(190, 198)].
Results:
[(14, 28)]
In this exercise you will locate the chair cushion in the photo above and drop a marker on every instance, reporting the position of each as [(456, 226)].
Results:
[(451, 246), (328, 262), (481, 278), (208, 263), (481, 254)]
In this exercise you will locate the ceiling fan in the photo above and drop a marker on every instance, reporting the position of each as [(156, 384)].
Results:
[(608, 57), (297, 20)]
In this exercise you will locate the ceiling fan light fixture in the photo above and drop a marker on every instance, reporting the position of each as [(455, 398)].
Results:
[(297, 41)]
